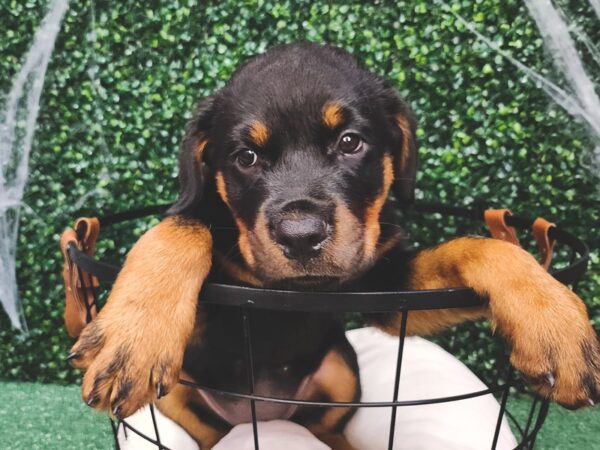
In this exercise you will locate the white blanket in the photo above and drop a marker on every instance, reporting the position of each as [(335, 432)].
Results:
[(427, 371)]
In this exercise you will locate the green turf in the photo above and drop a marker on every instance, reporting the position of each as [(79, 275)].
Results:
[(563, 429), (47, 417)]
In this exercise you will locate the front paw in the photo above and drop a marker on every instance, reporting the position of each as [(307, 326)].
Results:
[(133, 351), (556, 348), (129, 362)]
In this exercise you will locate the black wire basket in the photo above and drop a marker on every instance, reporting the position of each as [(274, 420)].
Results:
[(248, 299)]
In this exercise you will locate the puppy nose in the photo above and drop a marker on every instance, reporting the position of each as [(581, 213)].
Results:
[(301, 238)]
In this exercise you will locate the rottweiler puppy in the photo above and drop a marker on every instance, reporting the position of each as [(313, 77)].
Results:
[(285, 178)]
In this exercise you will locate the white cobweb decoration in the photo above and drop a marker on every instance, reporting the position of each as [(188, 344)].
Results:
[(579, 97), (19, 117)]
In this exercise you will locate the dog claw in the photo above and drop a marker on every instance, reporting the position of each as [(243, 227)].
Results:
[(71, 356), (550, 379), (159, 391), (115, 411), (92, 401), (591, 402)]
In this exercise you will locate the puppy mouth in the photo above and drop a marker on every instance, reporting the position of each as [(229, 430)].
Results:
[(307, 283)]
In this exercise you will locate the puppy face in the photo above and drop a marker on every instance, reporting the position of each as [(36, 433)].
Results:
[(303, 145)]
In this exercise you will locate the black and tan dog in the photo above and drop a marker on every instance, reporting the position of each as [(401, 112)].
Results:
[(285, 175)]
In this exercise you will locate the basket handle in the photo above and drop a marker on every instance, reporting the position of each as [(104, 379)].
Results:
[(80, 301), (495, 220), (545, 243)]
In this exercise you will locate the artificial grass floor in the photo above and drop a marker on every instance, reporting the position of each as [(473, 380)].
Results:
[(49, 417)]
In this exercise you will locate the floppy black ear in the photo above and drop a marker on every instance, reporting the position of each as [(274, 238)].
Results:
[(191, 178), (406, 150)]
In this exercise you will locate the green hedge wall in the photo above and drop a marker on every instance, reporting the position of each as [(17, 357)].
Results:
[(124, 77)]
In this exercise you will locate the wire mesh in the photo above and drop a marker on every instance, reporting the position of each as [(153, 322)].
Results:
[(527, 434)]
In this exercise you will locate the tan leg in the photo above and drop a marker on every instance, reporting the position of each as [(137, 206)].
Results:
[(175, 407), (336, 382), (547, 325), (133, 350)]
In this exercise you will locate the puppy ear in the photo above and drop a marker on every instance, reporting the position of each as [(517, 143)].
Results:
[(193, 145), (405, 151)]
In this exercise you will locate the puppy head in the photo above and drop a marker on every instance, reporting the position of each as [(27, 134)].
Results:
[(303, 145)]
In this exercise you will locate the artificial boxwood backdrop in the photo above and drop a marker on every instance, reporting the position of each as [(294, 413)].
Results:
[(125, 75)]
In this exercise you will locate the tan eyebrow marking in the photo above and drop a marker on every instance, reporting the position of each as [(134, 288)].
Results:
[(406, 137), (332, 115), (259, 133)]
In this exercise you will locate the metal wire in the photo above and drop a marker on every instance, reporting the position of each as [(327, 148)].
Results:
[(530, 416), (401, 338), (142, 435), (430, 401), (115, 430), (155, 425), (502, 407), (250, 370)]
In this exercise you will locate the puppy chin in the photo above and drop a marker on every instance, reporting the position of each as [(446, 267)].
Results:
[(334, 268)]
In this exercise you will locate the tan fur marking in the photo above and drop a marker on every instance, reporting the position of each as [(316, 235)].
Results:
[(389, 244), (236, 271), (259, 133), (545, 322), (271, 257), (221, 189), (372, 227), (200, 326), (175, 407), (200, 150), (339, 256), (243, 241), (428, 322), (334, 379), (406, 137), (332, 115)]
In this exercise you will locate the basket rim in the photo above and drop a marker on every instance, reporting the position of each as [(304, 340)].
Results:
[(346, 301)]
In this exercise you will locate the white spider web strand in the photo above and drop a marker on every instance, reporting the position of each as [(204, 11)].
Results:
[(552, 23), (558, 40), (16, 135), (586, 110), (596, 6)]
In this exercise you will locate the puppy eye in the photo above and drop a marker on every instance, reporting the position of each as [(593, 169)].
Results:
[(246, 158), (350, 143)]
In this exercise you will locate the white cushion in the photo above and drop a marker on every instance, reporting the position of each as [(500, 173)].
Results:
[(272, 435), (171, 434), (428, 371)]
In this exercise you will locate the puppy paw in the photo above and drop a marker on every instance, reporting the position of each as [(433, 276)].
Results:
[(132, 352), (556, 348), (547, 325), (127, 364)]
